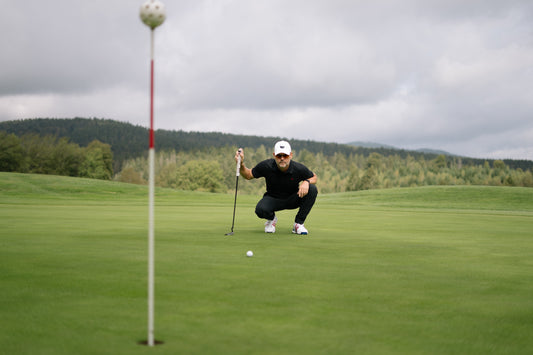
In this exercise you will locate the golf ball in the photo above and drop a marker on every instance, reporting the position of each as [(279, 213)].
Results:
[(249, 253)]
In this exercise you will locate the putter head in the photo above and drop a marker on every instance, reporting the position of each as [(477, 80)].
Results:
[(230, 233)]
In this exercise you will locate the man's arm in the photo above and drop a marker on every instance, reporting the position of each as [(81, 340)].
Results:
[(244, 171), (313, 180)]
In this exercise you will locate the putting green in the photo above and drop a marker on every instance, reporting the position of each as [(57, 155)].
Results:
[(434, 270)]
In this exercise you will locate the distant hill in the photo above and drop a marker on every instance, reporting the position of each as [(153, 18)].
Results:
[(129, 141), (371, 145), (434, 151), (386, 146)]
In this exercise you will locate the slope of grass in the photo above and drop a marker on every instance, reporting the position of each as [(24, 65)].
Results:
[(442, 197), (440, 270)]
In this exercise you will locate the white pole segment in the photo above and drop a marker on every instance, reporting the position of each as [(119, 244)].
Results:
[(151, 253), (151, 250)]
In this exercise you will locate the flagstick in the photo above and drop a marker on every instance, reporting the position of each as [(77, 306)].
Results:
[(152, 14), (151, 202)]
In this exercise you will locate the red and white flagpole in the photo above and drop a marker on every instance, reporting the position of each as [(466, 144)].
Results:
[(153, 15), (151, 193)]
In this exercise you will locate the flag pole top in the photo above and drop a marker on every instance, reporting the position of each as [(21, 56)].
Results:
[(153, 13)]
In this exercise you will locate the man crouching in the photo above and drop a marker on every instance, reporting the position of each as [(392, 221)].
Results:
[(289, 185)]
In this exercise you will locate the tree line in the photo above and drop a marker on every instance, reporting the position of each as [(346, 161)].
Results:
[(129, 141), (32, 153), (213, 170), (204, 161)]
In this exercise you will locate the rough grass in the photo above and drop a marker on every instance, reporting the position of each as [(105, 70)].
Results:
[(436, 270)]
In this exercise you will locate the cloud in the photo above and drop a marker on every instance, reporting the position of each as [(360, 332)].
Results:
[(65, 47), (442, 74)]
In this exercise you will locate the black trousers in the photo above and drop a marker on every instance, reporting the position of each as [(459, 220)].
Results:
[(267, 206)]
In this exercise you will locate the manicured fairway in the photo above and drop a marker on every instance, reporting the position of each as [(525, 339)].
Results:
[(435, 270)]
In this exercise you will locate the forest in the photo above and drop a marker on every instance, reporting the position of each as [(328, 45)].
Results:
[(36, 154), (129, 141), (213, 169), (107, 149)]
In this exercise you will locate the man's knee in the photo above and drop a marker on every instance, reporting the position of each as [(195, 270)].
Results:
[(310, 198), (313, 191), (262, 211), (259, 211)]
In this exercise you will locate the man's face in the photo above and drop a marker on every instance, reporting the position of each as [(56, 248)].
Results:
[(283, 161)]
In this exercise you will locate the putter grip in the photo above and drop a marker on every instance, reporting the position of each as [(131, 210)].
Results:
[(238, 172)]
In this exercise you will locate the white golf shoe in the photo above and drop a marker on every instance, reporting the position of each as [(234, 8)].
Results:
[(270, 225), (299, 229)]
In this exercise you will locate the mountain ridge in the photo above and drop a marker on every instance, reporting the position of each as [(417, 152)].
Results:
[(129, 141), (366, 144)]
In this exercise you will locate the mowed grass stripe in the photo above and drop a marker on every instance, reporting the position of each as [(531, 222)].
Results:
[(436, 270)]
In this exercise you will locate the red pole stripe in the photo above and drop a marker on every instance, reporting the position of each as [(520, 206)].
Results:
[(152, 104)]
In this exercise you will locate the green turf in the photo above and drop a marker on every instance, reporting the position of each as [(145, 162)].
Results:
[(435, 270)]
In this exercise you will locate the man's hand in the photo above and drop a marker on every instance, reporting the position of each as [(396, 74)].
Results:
[(304, 185), (241, 153), (304, 188), (245, 172)]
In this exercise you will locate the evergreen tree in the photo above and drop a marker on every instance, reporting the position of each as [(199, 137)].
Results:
[(11, 152)]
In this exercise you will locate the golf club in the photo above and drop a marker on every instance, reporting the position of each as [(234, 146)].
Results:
[(237, 173)]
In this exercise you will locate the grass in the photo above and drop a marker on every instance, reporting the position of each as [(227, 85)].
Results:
[(435, 270)]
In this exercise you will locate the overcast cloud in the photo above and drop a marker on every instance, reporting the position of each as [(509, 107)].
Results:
[(444, 74)]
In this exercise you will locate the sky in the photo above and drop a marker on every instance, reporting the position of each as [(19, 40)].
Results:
[(453, 75)]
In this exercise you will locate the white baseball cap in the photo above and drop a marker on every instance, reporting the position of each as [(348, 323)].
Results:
[(282, 147)]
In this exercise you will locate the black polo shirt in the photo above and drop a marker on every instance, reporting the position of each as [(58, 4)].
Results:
[(281, 184)]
